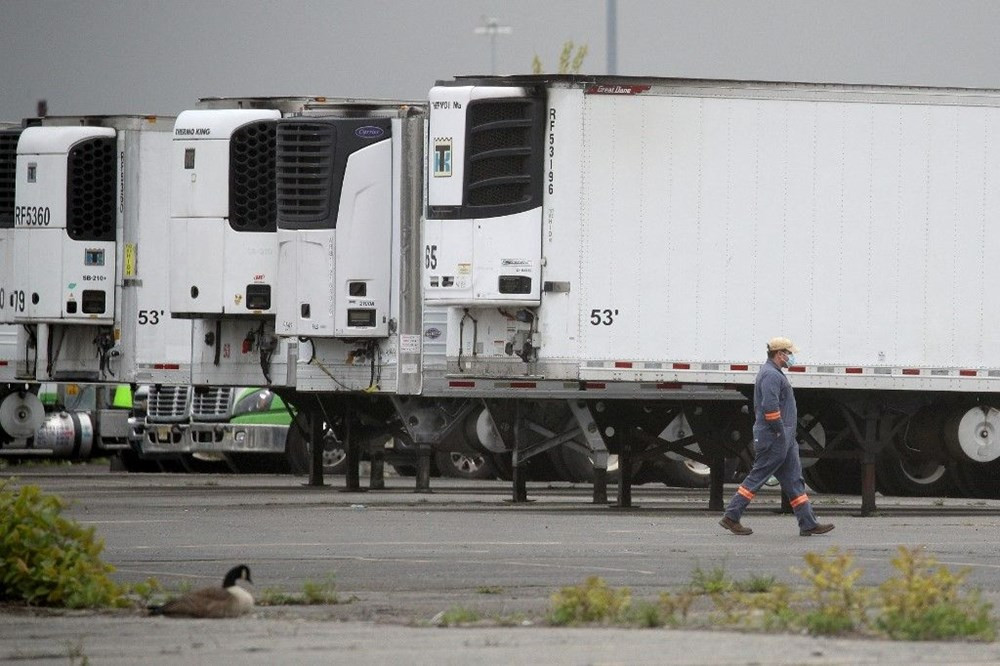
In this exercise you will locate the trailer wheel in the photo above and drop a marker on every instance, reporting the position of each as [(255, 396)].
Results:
[(684, 473), (907, 476), (578, 467), (973, 434), (130, 461), (977, 480), (259, 463), (828, 427), (502, 463), (462, 465), (298, 450)]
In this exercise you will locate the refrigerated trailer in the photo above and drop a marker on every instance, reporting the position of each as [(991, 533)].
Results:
[(288, 215), (89, 281), (603, 253)]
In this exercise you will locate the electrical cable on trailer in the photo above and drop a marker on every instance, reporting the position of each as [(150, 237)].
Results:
[(105, 343), (266, 352), (461, 335), (313, 361), (373, 349)]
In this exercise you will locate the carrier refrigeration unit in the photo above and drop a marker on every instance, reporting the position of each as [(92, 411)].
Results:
[(605, 253), (349, 198)]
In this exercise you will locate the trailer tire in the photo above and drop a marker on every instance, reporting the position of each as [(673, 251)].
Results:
[(910, 477), (578, 467), (131, 462), (465, 465), (977, 480), (298, 451), (193, 464), (259, 463), (683, 473)]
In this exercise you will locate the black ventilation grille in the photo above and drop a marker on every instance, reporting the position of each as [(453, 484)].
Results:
[(503, 155), (252, 203), (8, 172), (305, 171), (91, 190)]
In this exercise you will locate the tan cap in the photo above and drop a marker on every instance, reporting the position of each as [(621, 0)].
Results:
[(781, 344)]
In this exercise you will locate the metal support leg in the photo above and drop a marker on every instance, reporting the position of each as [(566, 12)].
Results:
[(717, 474), (423, 469), (518, 472), (871, 446), (353, 471), (625, 473), (867, 489), (316, 448), (376, 475), (600, 485)]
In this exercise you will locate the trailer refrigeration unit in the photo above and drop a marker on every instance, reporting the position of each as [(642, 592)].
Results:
[(349, 201), (601, 254)]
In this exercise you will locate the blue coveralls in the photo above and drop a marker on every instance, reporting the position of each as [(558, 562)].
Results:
[(774, 455)]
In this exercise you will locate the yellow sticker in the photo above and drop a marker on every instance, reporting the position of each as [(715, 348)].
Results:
[(72, 389), (129, 260)]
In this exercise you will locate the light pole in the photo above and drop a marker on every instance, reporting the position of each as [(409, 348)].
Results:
[(493, 28), (611, 25)]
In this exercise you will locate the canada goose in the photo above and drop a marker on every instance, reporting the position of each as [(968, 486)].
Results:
[(230, 600)]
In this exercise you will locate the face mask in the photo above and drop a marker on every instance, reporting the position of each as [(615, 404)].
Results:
[(791, 360)]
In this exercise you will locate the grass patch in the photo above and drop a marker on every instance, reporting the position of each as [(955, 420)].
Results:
[(713, 581), (924, 601), (489, 589), (49, 560), (323, 592), (312, 593), (839, 605), (456, 616), (755, 584), (593, 601)]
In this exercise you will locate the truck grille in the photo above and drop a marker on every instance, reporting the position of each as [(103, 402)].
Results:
[(504, 137), (168, 403), (305, 170), (91, 189), (8, 171), (252, 203), (212, 403)]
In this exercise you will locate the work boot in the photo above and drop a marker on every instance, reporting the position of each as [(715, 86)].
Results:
[(734, 526), (819, 529)]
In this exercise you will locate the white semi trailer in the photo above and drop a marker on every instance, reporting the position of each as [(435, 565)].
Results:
[(296, 207), (617, 249), (87, 284), (90, 275)]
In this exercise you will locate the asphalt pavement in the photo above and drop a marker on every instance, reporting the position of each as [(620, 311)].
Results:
[(400, 558)]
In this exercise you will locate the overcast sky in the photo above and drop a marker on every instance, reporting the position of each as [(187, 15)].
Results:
[(159, 56)]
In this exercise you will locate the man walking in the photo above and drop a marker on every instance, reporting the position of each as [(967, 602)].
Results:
[(776, 452)]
